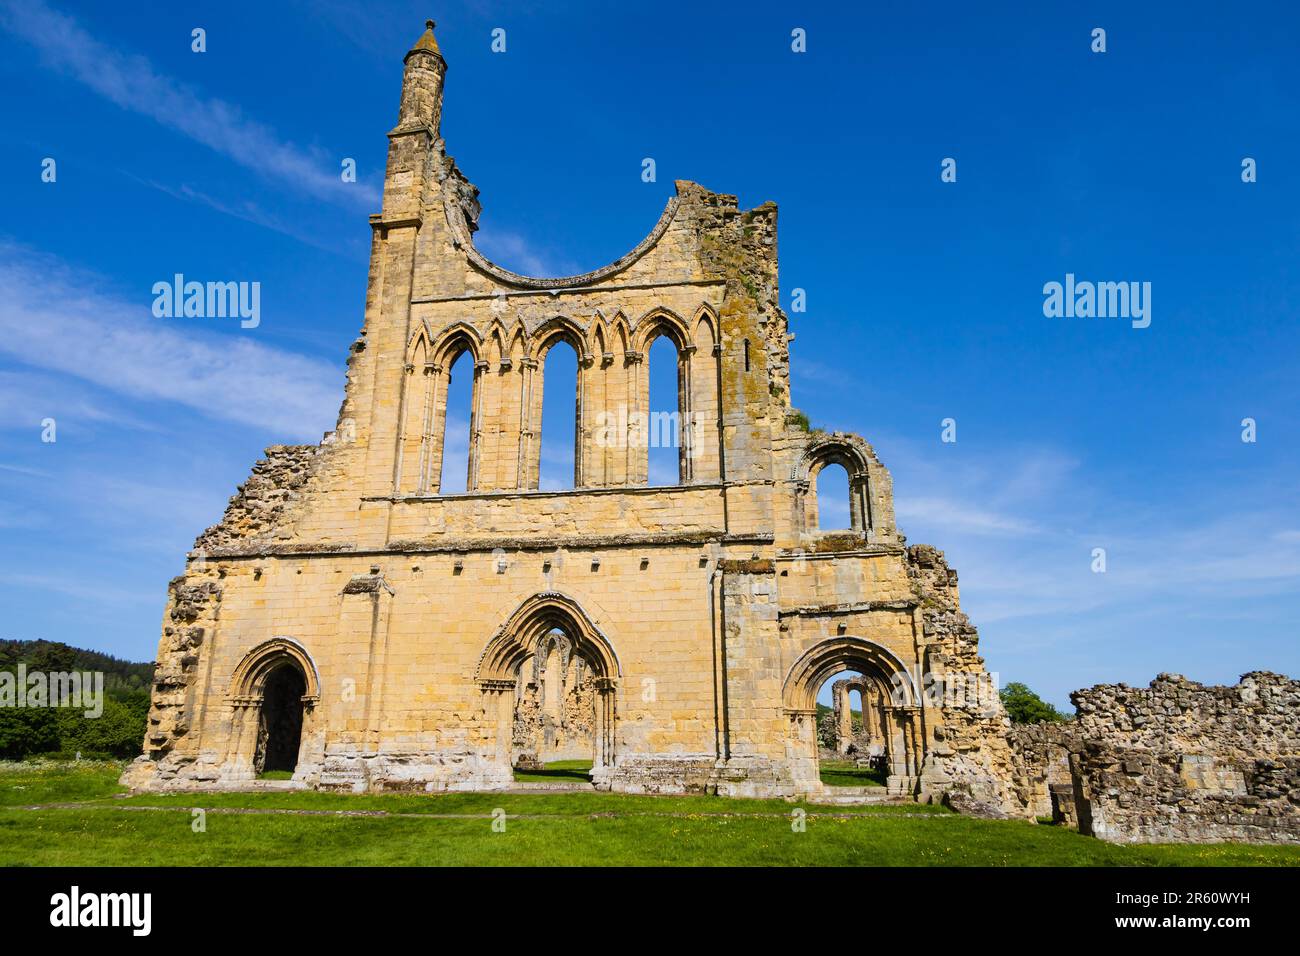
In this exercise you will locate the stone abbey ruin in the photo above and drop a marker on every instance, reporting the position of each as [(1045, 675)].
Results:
[(349, 623)]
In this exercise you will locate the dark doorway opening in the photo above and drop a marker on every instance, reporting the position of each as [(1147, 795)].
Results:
[(280, 726)]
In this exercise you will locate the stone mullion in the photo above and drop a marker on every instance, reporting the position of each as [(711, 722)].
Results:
[(579, 412), (526, 369), (811, 511), (435, 424), (616, 433), (868, 521), (536, 398), (717, 412), (475, 427), (596, 469), (705, 454), (485, 459), (858, 505), (685, 415), (403, 427), (800, 518), (638, 451)]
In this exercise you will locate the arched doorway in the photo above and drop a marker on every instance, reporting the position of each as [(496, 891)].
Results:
[(889, 731), (853, 746), (273, 693), (554, 728), (548, 678), (279, 726)]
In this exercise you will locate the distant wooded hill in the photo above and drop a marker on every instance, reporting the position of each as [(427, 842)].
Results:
[(63, 731)]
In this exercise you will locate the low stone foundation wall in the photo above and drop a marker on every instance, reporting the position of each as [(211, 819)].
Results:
[(1174, 762)]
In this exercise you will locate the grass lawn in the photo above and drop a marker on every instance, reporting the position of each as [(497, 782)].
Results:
[(558, 771), (305, 827), (845, 773)]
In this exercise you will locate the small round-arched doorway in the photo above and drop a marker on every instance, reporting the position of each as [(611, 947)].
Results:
[(279, 725), (273, 694)]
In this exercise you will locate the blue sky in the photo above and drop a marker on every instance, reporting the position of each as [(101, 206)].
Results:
[(924, 298)]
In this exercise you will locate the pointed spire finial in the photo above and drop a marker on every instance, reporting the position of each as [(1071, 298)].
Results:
[(427, 41)]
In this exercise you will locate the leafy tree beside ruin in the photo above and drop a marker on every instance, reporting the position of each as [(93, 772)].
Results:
[(1025, 707)]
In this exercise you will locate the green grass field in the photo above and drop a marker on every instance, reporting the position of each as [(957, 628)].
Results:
[(845, 773), (85, 821)]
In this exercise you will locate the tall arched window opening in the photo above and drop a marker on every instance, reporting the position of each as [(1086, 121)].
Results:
[(457, 419), (664, 422), (559, 427), (832, 498)]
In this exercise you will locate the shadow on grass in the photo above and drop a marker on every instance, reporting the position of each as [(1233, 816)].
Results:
[(557, 771)]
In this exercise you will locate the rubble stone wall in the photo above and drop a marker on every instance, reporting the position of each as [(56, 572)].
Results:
[(1177, 761), (1183, 762)]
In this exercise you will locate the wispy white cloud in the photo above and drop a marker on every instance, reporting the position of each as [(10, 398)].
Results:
[(1021, 523), (1196, 575), (74, 586), (28, 398), (957, 515), (249, 211), (29, 472), (809, 375), (54, 317), (132, 83)]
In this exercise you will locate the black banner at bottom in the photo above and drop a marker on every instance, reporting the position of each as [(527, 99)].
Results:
[(142, 906)]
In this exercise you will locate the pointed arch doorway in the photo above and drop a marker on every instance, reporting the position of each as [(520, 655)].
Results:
[(548, 679), (899, 728)]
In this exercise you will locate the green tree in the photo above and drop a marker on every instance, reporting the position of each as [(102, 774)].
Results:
[(28, 730), (117, 732), (1025, 707)]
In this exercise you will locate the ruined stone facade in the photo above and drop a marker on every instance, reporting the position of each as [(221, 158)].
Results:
[(1173, 762), (698, 620)]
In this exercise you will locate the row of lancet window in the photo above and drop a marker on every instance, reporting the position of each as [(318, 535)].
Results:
[(560, 410), (562, 415)]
